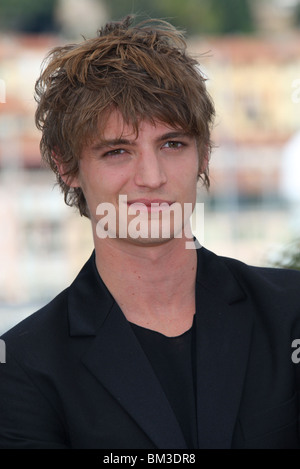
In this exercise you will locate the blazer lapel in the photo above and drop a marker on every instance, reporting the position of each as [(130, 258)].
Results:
[(117, 360), (119, 363), (223, 331)]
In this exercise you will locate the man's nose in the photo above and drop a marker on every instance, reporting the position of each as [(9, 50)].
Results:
[(149, 171)]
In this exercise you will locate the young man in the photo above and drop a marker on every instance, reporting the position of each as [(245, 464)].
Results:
[(154, 345)]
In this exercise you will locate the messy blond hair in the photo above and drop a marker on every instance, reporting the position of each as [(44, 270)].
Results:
[(143, 71)]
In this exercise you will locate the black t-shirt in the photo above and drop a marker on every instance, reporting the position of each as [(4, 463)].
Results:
[(172, 359)]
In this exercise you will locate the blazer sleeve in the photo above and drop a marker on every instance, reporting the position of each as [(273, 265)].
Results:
[(27, 419)]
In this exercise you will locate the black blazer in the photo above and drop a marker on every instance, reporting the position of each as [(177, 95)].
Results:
[(76, 376)]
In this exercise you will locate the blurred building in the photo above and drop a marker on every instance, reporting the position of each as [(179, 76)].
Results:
[(42, 243), (76, 18), (252, 83), (275, 16)]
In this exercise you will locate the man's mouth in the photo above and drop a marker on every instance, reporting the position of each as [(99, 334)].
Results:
[(151, 205)]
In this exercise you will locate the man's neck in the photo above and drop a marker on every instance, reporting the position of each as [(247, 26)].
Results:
[(153, 285)]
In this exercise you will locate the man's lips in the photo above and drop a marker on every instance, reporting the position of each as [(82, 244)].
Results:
[(150, 204)]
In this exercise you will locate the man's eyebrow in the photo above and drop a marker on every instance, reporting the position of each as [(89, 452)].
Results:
[(100, 144), (103, 143), (174, 134)]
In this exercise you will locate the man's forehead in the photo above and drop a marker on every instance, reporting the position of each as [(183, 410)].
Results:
[(117, 127)]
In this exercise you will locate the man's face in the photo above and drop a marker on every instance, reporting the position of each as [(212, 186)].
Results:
[(142, 179)]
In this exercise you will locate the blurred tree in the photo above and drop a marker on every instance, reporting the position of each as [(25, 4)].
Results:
[(195, 16), (297, 14), (233, 16), (289, 256), (27, 15)]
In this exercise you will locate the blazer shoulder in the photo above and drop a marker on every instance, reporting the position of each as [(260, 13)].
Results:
[(274, 289), (54, 314), (215, 264), (43, 321), (271, 288), (269, 276)]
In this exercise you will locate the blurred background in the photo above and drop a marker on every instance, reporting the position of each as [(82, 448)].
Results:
[(252, 62)]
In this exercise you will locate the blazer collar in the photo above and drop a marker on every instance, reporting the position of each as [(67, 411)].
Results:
[(89, 301), (214, 275), (115, 357)]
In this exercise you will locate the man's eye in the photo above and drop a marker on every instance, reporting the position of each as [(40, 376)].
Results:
[(115, 152), (173, 144)]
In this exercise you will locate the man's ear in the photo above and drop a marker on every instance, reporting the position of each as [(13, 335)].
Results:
[(71, 181)]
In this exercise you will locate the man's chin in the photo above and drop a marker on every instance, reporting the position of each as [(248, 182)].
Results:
[(145, 241)]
